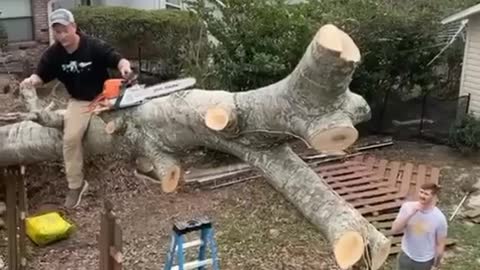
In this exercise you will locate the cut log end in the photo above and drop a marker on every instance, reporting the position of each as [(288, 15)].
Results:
[(219, 118), (349, 249), (334, 139), (332, 38), (168, 177), (110, 128), (171, 179), (115, 126)]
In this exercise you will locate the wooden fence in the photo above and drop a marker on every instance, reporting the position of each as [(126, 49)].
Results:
[(110, 242), (14, 192), (13, 180)]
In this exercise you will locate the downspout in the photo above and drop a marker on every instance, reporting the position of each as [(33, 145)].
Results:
[(49, 11), (34, 30)]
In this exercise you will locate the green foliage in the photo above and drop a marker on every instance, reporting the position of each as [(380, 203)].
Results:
[(261, 41), (3, 37), (172, 37), (465, 136)]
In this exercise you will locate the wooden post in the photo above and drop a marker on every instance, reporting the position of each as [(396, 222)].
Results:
[(22, 211), (14, 179), (110, 242), (10, 179), (424, 107)]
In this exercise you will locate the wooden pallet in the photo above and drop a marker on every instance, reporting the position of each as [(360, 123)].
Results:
[(378, 187)]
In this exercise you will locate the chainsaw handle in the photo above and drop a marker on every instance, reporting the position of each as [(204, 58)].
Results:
[(131, 78)]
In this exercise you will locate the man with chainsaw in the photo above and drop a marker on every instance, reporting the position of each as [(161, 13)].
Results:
[(81, 63)]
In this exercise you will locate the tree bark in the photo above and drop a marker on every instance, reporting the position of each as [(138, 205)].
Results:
[(313, 104)]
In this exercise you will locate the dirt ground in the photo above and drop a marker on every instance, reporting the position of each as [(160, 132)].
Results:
[(256, 228)]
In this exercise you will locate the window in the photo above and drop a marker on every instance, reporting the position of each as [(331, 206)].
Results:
[(16, 17), (173, 4)]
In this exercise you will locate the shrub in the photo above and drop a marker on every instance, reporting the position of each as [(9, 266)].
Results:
[(171, 37), (465, 136), (261, 41)]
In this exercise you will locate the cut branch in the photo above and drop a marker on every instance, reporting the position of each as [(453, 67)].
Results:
[(344, 227), (313, 104), (159, 167)]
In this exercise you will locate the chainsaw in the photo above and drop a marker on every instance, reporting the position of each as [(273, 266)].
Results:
[(123, 93)]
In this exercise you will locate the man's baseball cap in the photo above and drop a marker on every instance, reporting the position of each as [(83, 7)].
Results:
[(61, 16)]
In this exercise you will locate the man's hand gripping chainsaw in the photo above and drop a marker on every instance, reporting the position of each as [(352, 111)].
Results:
[(123, 93)]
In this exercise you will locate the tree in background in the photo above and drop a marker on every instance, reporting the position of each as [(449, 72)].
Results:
[(258, 41)]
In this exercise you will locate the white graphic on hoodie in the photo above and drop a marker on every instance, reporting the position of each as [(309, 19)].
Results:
[(76, 67)]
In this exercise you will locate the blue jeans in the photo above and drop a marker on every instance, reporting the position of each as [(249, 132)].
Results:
[(406, 263)]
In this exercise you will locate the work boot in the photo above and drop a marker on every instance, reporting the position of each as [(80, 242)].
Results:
[(74, 196)]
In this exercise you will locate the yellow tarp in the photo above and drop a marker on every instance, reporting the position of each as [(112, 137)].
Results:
[(47, 228)]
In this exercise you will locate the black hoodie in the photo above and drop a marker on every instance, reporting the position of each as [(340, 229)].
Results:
[(84, 71)]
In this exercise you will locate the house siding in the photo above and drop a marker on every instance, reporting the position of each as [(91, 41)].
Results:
[(470, 82)]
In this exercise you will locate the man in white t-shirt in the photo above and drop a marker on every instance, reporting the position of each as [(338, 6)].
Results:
[(425, 231)]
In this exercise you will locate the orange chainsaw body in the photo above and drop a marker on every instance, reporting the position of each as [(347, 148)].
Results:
[(111, 88)]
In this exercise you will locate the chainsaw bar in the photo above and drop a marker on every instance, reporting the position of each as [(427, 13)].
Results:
[(139, 94)]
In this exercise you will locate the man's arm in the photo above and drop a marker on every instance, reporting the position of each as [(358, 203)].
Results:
[(45, 72), (33, 81), (441, 241), (402, 218)]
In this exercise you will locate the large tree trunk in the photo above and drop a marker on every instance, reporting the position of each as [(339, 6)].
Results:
[(313, 104)]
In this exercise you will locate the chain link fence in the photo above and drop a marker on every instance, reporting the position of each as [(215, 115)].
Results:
[(425, 117)]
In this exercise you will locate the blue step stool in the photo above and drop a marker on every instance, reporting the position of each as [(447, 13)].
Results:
[(178, 245)]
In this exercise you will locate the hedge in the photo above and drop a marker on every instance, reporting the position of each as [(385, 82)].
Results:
[(172, 37), (465, 135), (3, 37)]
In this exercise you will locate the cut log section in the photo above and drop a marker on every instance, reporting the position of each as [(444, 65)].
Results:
[(167, 174), (220, 118), (335, 139), (313, 103)]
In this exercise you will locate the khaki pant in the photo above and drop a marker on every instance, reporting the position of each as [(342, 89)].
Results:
[(75, 125)]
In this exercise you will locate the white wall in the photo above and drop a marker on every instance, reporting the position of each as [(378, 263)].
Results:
[(470, 82)]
